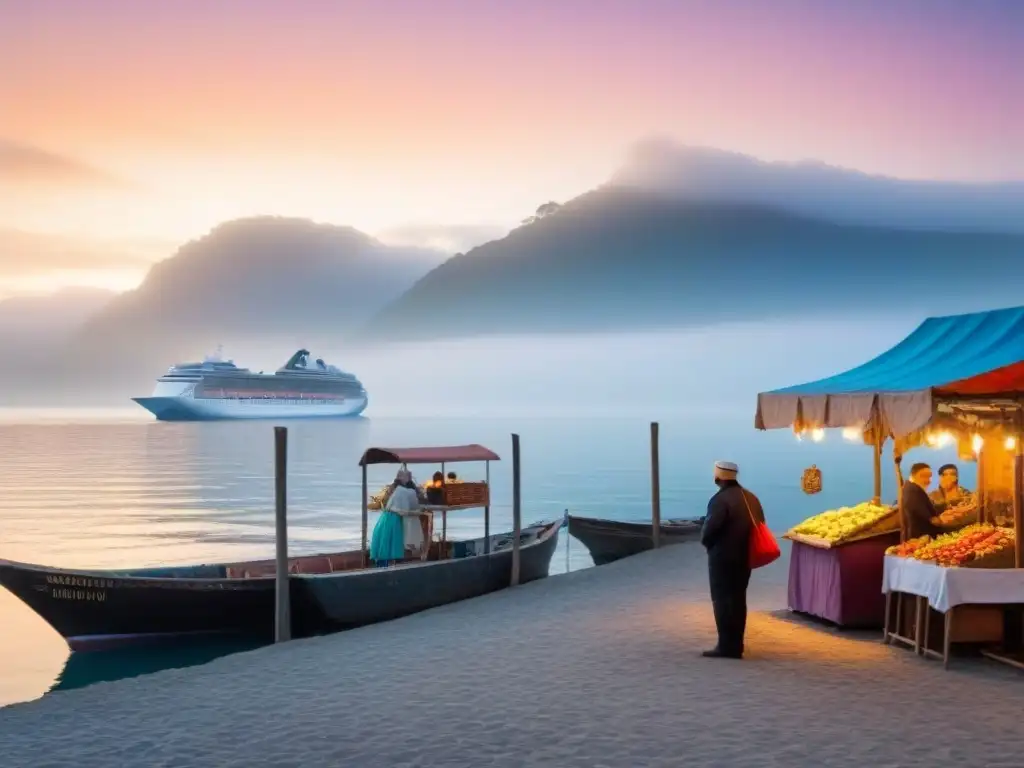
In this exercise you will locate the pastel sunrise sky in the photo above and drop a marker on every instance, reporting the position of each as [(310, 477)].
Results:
[(129, 126)]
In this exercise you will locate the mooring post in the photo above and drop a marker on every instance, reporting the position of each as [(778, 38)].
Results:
[(282, 613), (517, 520), (655, 488)]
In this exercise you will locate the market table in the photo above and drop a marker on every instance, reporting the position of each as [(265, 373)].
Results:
[(978, 595), (840, 583)]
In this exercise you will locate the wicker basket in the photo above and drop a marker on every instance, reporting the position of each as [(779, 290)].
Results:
[(466, 495)]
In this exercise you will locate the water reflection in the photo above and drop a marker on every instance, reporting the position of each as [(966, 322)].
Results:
[(82, 669)]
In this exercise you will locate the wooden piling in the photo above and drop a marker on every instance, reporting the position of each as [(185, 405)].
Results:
[(655, 488), (487, 509), (366, 520), (517, 520), (282, 612)]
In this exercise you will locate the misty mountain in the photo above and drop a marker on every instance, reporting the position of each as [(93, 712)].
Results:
[(812, 188), (29, 321), (626, 258), (32, 327), (278, 281)]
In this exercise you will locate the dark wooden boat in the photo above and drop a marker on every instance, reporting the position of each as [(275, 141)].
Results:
[(97, 609), (611, 540), (93, 610)]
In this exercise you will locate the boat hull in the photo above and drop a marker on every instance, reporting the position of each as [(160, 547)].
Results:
[(611, 540), (367, 597), (219, 409), (94, 610)]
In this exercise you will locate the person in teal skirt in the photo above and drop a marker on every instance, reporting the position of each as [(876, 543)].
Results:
[(387, 545)]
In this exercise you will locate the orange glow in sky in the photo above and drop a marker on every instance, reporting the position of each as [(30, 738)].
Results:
[(155, 121)]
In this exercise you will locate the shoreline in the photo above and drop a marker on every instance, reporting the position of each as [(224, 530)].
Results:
[(599, 666)]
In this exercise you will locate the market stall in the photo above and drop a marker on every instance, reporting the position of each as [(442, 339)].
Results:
[(954, 379), (835, 567)]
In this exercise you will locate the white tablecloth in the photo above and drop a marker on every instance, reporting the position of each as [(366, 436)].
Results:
[(947, 588)]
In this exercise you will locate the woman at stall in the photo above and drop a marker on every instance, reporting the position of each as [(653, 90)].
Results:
[(949, 493), (398, 527)]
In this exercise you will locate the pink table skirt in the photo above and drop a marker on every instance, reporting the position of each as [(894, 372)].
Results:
[(842, 585)]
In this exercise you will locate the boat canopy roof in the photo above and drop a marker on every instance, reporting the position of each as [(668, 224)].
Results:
[(948, 359), (449, 454)]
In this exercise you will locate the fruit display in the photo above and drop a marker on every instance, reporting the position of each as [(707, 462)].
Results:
[(960, 515), (909, 547), (376, 501), (978, 545), (837, 525)]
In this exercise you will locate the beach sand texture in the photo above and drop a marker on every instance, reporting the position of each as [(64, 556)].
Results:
[(599, 667)]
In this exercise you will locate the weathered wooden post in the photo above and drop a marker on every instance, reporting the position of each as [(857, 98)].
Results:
[(655, 488), (487, 509), (282, 613), (366, 519), (517, 520)]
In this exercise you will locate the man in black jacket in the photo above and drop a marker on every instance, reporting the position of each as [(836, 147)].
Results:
[(917, 510), (726, 536)]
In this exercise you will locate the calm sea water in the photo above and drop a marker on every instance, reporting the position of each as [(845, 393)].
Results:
[(97, 489)]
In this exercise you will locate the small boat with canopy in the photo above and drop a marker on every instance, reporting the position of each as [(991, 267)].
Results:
[(94, 609)]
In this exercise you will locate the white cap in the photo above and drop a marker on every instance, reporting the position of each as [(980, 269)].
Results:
[(726, 470)]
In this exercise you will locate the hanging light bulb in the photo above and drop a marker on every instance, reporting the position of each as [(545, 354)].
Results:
[(976, 443), (853, 433), (1011, 443), (817, 434), (932, 439), (945, 438)]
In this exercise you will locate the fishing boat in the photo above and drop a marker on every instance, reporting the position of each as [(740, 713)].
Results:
[(611, 540), (94, 609)]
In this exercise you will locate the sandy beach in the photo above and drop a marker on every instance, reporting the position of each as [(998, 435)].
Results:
[(599, 667)]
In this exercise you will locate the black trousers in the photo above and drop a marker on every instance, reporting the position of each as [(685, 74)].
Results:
[(729, 599)]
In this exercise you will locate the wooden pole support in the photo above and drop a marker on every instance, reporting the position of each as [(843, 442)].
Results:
[(366, 520), (282, 612), (517, 520), (877, 491), (487, 509), (655, 488), (1018, 494)]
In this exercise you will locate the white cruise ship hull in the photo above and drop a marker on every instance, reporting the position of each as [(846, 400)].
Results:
[(178, 408)]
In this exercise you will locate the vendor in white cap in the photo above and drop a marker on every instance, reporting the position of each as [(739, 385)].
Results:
[(726, 536)]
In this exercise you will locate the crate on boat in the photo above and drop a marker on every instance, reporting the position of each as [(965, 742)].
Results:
[(466, 494)]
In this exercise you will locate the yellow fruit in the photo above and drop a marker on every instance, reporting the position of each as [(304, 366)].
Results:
[(837, 524)]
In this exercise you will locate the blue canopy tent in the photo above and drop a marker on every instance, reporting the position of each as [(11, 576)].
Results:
[(967, 358)]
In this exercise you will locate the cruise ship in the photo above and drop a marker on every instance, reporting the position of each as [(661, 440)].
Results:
[(219, 389)]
